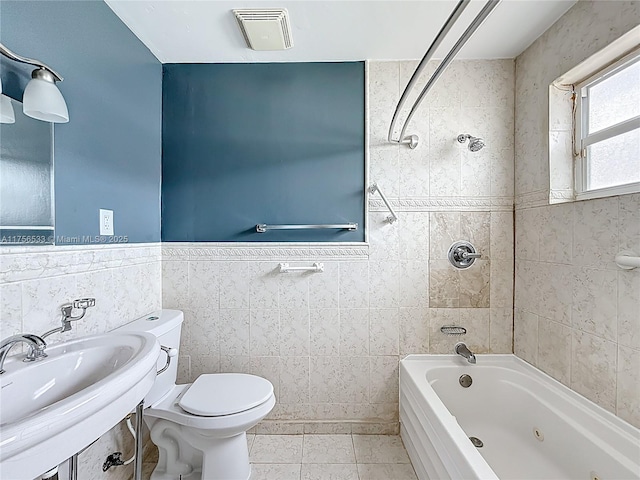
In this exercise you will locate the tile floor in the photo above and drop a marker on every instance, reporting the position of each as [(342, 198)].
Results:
[(326, 457)]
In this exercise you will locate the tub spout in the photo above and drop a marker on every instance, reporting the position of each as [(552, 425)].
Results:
[(462, 349)]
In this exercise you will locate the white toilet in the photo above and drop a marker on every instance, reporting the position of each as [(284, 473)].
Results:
[(200, 428)]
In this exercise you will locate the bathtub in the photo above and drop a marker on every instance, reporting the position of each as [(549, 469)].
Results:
[(531, 426)]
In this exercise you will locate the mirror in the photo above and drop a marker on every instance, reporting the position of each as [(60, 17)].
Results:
[(26, 181)]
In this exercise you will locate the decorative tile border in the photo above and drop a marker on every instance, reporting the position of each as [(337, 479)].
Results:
[(15, 249), (532, 199), (264, 251), (562, 196), (28, 263), (439, 204)]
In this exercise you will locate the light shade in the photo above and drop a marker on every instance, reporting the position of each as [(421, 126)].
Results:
[(7, 114), (43, 101)]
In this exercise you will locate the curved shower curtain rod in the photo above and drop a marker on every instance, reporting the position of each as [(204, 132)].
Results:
[(412, 140)]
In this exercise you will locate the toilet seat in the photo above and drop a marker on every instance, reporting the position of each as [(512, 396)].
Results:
[(214, 395), (168, 408)]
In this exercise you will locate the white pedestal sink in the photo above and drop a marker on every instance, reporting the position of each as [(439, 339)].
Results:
[(51, 409)]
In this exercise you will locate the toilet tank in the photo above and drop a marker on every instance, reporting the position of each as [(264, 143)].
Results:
[(166, 326)]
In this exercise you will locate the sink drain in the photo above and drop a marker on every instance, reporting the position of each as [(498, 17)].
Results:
[(476, 442)]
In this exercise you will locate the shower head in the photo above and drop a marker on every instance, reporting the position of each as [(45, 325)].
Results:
[(475, 143)]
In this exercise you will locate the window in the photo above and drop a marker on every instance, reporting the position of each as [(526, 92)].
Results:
[(607, 136)]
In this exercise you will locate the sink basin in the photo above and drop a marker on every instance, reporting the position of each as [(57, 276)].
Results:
[(52, 409)]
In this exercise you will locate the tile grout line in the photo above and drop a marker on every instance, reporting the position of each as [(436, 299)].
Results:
[(303, 440)]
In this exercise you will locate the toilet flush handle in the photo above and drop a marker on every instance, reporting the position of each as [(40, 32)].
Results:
[(171, 352)]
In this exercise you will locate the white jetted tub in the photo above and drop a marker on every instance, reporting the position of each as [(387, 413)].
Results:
[(531, 426)]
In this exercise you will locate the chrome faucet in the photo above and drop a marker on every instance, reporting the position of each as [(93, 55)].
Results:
[(36, 347), (462, 349), (66, 310)]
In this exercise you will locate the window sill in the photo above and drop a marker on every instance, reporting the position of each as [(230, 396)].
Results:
[(609, 192)]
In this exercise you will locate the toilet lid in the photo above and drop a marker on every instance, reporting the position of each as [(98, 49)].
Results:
[(225, 393)]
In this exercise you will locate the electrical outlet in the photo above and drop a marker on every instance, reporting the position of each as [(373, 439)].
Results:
[(106, 222)]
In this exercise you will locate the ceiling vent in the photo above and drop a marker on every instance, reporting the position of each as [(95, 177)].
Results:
[(265, 29)]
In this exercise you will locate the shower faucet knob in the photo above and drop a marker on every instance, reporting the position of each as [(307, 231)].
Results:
[(462, 254)]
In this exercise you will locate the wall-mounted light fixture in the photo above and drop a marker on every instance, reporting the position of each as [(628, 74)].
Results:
[(7, 115), (41, 99)]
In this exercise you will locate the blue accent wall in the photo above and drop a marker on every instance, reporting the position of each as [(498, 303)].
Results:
[(262, 143), (109, 154)]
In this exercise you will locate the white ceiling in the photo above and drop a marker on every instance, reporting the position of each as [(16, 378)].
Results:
[(198, 31)]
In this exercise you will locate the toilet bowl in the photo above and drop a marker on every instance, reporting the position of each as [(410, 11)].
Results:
[(200, 428), (204, 437)]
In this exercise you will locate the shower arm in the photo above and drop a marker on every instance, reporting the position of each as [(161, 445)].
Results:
[(412, 140)]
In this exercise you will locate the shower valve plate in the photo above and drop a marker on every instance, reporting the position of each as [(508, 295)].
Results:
[(462, 254)]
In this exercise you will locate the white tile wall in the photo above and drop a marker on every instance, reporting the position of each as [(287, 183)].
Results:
[(125, 280), (577, 316), (580, 303), (330, 342)]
